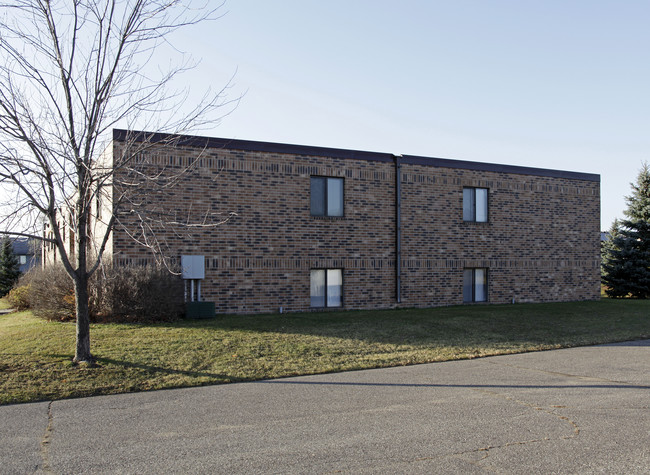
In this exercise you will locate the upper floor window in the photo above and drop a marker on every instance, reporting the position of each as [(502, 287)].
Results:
[(326, 196), (475, 204), (475, 285), (326, 287)]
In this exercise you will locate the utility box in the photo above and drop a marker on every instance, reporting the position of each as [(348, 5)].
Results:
[(199, 310), (193, 267)]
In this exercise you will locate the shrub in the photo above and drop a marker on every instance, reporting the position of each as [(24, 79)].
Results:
[(50, 289), (18, 297), (142, 294), (116, 294)]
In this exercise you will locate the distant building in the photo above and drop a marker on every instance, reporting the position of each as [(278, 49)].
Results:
[(28, 252)]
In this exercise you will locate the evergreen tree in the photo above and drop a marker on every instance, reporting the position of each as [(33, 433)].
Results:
[(626, 258), (638, 203), (607, 247), (9, 267)]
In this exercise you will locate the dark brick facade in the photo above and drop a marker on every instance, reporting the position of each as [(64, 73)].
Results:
[(541, 241)]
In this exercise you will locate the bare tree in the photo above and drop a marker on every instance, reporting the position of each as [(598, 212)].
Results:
[(70, 72)]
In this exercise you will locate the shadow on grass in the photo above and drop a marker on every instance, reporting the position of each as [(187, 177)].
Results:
[(543, 323), (521, 325)]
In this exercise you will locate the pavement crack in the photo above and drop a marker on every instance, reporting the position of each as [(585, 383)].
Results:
[(592, 379), (575, 430), (45, 441), (572, 423), (485, 451)]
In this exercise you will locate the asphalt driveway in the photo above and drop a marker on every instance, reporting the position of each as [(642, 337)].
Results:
[(581, 410)]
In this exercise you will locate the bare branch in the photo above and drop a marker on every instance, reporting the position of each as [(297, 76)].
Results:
[(69, 73)]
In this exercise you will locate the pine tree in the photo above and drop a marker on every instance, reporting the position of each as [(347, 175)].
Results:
[(608, 249), (638, 203), (9, 267), (626, 258)]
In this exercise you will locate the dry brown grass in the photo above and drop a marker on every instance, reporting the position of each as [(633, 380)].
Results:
[(35, 355)]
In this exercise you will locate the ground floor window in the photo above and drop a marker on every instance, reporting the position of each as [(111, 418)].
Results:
[(475, 285), (326, 287)]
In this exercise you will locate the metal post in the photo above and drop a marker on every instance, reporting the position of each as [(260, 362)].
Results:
[(398, 228)]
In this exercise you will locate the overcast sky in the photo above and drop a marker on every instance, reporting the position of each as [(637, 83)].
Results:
[(550, 84)]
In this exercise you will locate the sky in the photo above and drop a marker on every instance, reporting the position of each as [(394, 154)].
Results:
[(547, 84)]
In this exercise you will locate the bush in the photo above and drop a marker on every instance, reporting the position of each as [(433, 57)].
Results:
[(51, 294), (116, 294), (18, 297), (142, 294)]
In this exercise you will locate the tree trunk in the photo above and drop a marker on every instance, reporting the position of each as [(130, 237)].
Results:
[(82, 353)]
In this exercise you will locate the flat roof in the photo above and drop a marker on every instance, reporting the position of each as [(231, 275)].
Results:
[(306, 150)]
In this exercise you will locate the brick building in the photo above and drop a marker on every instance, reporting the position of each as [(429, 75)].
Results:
[(319, 227)]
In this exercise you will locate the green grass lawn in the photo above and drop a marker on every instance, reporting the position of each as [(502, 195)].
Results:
[(35, 355)]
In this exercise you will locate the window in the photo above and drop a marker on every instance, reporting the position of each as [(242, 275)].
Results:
[(326, 287), (22, 260), (475, 285), (475, 205), (326, 196)]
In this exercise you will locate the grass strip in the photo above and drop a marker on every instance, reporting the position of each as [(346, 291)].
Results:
[(35, 355)]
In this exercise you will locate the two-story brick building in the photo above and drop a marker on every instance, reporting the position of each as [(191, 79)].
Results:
[(321, 227)]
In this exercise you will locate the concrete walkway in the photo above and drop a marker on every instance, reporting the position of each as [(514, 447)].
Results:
[(581, 410)]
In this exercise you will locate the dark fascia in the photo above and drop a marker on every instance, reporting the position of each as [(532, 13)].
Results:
[(304, 150), (250, 146), (492, 167)]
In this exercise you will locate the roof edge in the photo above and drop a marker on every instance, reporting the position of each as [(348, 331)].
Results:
[(250, 146), (307, 150), (499, 168)]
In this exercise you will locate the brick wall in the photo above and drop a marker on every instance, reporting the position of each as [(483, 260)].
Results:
[(541, 242)]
